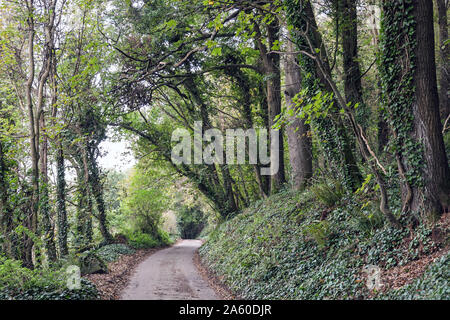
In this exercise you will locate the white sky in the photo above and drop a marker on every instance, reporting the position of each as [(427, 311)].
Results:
[(116, 155)]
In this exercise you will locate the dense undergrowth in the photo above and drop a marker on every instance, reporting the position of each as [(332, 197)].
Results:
[(50, 283), (20, 283), (312, 246)]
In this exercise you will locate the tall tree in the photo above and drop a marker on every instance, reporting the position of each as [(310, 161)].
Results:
[(315, 69), (48, 51), (6, 214), (61, 210), (408, 71), (271, 66), (34, 138), (347, 14), (299, 141)]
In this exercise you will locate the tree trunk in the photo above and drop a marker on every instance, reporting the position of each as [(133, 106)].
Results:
[(61, 201), (230, 201), (44, 206), (243, 84), (444, 50), (34, 140), (61, 215), (428, 127), (352, 71), (97, 191), (5, 208), (84, 207), (271, 65), (337, 143), (300, 152), (408, 70)]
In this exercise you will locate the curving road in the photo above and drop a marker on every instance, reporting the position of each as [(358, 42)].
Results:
[(170, 274)]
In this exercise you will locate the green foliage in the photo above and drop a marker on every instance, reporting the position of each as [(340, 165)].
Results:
[(145, 202), (112, 252), (19, 283), (328, 193), (139, 240), (397, 79), (190, 222), (264, 252), (319, 231), (367, 220)]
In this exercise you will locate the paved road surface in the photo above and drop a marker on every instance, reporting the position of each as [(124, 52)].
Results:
[(170, 274)]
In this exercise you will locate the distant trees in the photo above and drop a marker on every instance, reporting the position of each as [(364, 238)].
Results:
[(190, 222)]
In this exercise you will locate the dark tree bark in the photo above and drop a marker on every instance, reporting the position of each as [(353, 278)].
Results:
[(383, 133), (44, 206), (300, 152), (6, 218), (444, 50), (408, 69), (243, 84), (428, 127), (303, 18), (97, 192), (264, 180), (352, 72), (84, 203), (61, 211), (231, 203), (61, 202)]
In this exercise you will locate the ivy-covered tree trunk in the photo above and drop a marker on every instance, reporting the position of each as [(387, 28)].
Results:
[(61, 202), (44, 205), (5, 208), (331, 131), (84, 211), (97, 192), (231, 203), (382, 125), (299, 141), (61, 211), (408, 72), (347, 13), (34, 138), (444, 50)]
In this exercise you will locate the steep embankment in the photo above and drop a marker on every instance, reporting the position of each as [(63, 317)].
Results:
[(292, 247)]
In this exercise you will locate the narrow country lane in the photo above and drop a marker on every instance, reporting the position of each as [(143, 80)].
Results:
[(170, 274)]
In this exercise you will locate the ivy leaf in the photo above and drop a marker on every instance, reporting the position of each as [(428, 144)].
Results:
[(217, 51)]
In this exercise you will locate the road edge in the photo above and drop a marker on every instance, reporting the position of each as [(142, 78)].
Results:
[(222, 291)]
